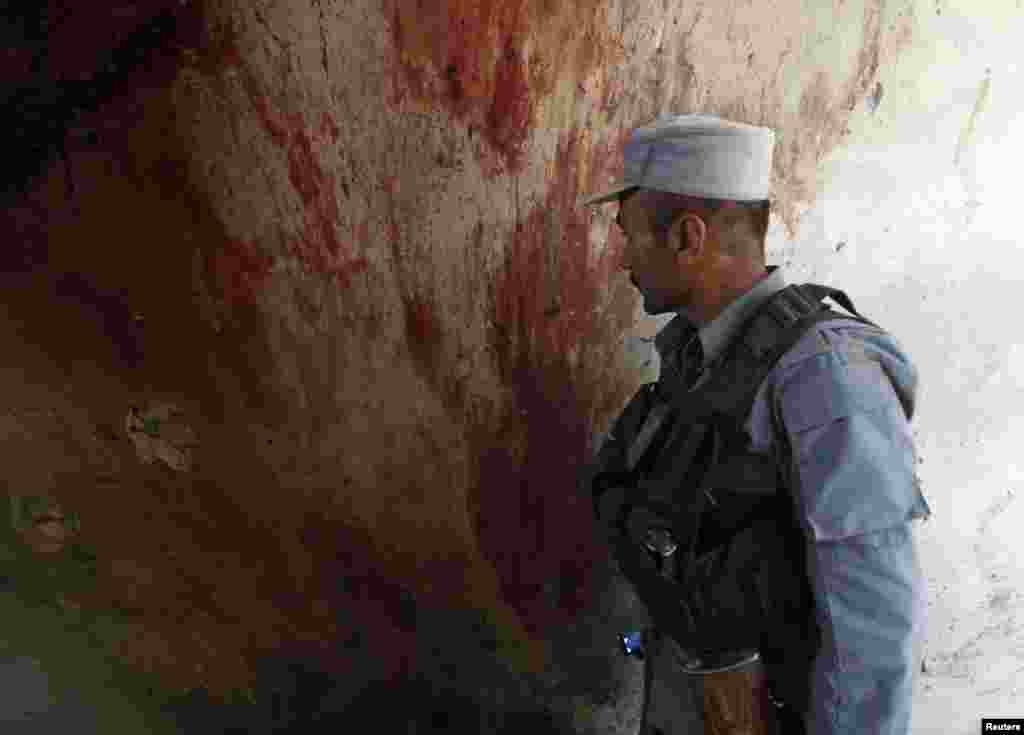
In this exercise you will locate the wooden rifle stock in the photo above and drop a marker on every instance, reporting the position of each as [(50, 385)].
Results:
[(738, 703)]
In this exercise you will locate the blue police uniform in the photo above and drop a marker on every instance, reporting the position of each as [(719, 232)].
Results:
[(841, 400)]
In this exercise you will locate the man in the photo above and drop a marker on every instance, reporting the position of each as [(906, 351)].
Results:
[(839, 639)]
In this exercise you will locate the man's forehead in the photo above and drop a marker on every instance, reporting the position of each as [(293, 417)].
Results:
[(637, 210), (637, 202)]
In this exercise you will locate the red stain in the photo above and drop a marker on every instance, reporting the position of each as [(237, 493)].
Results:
[(318, 245), (241, 270), (314, 185), (423, 336), (231, 57), (394, 232), (423, 328), (481, 91), (508, 119), (361, 233), (273, 122), (533, 527)]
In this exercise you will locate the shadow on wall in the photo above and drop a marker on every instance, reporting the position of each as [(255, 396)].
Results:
[(304, 704), (458, 686)]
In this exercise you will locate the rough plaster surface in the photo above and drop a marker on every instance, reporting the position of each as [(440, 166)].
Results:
[(344, 239)]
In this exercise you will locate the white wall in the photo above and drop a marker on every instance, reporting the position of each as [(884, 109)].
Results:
[(926, 196)]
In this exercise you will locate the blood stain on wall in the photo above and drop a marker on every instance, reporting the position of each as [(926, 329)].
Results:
[(470, 58), (533, 527), (508, 118), (423, 335), (241, 269), (318, 245)]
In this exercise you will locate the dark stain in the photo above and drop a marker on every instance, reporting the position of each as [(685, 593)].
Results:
[(876, 97), (424, 338), (26, 248), (530, 525), (451, 73), (510, 113), (118, 322), (85, 57), (293, 696)]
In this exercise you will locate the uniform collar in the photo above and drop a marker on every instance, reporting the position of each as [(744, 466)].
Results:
[(715, 335)]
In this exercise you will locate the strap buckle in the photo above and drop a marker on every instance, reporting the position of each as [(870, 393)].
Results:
[(792, 305), (784, 310)]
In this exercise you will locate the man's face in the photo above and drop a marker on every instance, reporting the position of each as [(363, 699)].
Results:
[(653, 267)]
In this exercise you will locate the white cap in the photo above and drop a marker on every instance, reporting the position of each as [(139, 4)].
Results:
[(699, 155)]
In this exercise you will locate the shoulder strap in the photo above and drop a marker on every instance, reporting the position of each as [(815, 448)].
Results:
[(728, 395), (819, 292)]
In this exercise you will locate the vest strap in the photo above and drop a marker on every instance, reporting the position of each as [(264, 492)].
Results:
[(819, 292), (729, 394)]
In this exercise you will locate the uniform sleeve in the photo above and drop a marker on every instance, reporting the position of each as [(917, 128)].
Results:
[(852, 471)]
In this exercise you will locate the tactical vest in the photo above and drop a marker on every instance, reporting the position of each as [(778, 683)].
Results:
[(693, 475)]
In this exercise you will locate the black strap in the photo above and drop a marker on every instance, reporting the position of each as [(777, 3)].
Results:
[(729, 394), (819, 292), (726, 399)]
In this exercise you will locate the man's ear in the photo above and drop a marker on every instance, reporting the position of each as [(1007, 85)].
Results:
[(688, 234)]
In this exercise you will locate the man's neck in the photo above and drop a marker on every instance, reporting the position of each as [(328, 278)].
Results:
[(709, 308)]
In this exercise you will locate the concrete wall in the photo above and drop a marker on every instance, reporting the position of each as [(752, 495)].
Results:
[(342, 241)]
